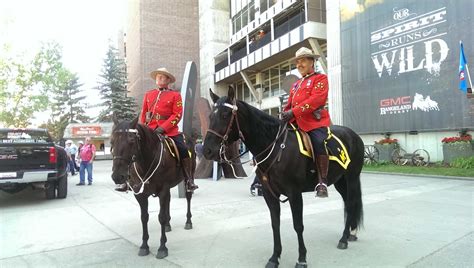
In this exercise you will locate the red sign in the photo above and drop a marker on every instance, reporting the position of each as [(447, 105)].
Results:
[(87, 131)]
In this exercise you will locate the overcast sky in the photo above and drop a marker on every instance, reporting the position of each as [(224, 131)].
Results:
[(83, 28)]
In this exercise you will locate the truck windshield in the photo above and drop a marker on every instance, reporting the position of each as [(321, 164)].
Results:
[(24, 136)]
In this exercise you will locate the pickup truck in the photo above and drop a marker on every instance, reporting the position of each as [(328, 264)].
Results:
[(29, 157)]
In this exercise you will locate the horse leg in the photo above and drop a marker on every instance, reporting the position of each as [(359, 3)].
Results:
[(296, 204), (168, 217), (341, 187), (163, 217), (143, 202), (189, 224), (274, 207)]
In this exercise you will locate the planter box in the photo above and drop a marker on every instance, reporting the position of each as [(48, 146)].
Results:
[(385, 151), (455, 150)]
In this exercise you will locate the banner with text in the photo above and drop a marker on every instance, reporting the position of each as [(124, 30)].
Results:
[(400, 65)]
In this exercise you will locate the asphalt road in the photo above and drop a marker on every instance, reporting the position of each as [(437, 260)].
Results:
[(409, 221)]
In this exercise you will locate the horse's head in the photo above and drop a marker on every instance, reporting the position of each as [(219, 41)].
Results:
[(223, 125), (125, 148)]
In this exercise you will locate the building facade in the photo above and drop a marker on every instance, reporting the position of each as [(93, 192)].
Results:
[(159, 33), (261, 38)]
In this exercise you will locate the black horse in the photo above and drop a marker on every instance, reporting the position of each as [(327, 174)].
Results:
[(281, 165), (144, 162)]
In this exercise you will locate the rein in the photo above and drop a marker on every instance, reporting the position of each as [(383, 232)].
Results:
[(132, 161), (271, 146)]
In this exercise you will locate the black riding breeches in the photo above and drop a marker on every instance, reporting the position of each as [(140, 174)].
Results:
[(318, 136), (182, 148)]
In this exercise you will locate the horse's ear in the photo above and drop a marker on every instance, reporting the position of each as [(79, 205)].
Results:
[(134, 123), (231, 94), (214, 97), (115, 119)]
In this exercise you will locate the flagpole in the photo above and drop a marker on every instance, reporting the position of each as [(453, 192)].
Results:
[(468, 76)]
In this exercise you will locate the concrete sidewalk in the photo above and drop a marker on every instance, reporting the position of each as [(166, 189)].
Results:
[(409, 221)]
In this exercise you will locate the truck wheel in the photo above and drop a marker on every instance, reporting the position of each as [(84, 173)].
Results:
[(62, 186), (50, 190)]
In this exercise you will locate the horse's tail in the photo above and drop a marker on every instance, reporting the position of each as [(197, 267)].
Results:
[(354, 208)]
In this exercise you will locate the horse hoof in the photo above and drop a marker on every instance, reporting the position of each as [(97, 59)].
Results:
[(188, 226), (352, 238), (342, 245), (301, 265), (162, 254), (168, 228), (271, 265), (143, 252)]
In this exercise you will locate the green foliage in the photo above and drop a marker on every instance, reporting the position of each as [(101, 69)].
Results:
[(113, 89), (463, 162), (25, 84), (433, 169), (67, 106)]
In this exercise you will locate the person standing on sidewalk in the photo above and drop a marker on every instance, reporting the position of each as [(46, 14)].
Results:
[(70, 156), (87, 154)]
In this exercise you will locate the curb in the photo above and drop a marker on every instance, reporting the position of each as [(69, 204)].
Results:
[(421, 175)]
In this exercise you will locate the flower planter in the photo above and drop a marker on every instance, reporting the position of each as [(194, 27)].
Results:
[(385, 151), (455, 150)]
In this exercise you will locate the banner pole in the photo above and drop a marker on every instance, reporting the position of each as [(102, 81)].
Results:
[(469, 76)]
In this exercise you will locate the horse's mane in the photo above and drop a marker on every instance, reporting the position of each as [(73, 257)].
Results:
[(145, 133), (262, 123)]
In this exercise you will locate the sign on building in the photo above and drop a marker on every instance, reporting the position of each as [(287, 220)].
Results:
[(400, 66)]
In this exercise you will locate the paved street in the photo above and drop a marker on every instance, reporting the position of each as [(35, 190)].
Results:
[(409, 221)]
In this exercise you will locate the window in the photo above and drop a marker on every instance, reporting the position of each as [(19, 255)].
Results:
[(263, 6), (275, 81), (245, 17), (251, 11)]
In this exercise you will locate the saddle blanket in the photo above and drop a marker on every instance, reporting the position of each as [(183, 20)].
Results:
[(334, 147)]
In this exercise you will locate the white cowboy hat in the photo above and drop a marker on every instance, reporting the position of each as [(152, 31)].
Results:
[(305, 52), (163, 71), (69, 141)]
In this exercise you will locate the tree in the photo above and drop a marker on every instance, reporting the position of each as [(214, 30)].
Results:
[(113, 89), (25, 84), (67, 106)]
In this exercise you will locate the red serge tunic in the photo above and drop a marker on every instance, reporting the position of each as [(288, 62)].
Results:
[(306, 95), (166, 107)]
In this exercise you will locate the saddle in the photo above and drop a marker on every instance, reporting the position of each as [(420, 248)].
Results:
[(333, 145)]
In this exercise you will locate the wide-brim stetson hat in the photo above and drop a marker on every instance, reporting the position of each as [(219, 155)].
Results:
[(304, 52), (163, 71)]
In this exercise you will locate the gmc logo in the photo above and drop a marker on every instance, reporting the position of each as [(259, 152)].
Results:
[(395, 101), (8, 157)]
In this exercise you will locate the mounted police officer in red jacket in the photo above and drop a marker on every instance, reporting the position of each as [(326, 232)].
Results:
[(162, 109), (306, 102)]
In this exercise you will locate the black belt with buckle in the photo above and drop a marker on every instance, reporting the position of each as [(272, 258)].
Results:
[(161, 117)]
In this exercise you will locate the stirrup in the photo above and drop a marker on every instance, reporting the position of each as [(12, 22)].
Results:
[(321, 190)]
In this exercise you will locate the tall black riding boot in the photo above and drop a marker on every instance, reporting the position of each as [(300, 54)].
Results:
[(322, 163), (187, 166)]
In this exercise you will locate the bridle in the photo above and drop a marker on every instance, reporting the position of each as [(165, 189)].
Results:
[(229, 126), (224, 140), (133, 159)]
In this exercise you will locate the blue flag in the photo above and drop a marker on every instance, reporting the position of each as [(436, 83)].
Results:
[(462, 70)]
